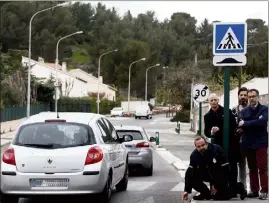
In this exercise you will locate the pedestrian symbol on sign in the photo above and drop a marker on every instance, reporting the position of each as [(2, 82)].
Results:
[(229, 41), (200, 92)]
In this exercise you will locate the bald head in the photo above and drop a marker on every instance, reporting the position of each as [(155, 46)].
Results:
[(214, 101)]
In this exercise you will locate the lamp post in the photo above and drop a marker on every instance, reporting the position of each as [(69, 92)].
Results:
[(129, 84), (146, 87), (56, 66), (99, 69), (29, 54)]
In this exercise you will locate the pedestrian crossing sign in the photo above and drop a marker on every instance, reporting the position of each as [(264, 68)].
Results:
[(229, 39)]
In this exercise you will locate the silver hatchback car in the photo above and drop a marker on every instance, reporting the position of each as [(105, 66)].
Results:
[(140, 149), (76, 154)]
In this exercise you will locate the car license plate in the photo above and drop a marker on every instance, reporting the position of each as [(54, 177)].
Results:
[(49, 183)]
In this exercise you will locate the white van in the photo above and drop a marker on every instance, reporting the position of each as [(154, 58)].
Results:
[(143, 111)]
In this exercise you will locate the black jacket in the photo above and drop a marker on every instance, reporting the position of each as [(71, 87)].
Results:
[(212, 118), (213, 161)]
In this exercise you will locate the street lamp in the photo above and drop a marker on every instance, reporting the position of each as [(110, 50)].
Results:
[(56, 65), (146, 87), (29, 53), (99, 67), (129, 85)]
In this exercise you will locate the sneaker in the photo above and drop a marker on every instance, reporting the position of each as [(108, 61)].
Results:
[(253, 194), (202, 197), (263, 196)]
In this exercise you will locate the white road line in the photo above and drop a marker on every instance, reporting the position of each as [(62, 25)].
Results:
[(139, 185), (178, 187), (148, 200)]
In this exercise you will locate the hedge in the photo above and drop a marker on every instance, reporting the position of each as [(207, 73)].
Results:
[(85, 104)]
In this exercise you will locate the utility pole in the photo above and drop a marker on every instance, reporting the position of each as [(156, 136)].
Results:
[(193, 110)]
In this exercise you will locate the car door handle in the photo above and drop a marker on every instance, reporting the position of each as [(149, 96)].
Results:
[(110, 151)]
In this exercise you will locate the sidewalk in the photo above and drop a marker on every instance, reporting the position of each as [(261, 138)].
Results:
[(7, 138)]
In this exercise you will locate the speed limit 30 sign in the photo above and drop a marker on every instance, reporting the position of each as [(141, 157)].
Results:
[(200, 92)]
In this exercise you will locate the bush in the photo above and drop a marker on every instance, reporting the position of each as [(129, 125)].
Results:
[(84, 104), (182, 116)]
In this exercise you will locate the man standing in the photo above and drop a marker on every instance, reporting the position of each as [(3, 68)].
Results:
[(214, 125), (243, 102), (253, 121), (208, 163)]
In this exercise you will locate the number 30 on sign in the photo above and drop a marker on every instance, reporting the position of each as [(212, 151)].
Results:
[(200, 92)]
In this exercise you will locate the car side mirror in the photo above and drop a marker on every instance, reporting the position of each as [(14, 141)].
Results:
[(152, 139), (127, 138)]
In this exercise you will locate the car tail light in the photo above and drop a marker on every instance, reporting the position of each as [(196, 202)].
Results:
[(142, 144), (9, 157), (94, 155)]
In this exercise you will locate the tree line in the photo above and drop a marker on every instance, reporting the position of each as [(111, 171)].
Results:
[(173, 43)]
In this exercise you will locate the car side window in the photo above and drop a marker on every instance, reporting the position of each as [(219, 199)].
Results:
[(106, 136), (112, 130)]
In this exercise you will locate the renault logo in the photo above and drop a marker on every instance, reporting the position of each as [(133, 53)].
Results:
[(49, 160)]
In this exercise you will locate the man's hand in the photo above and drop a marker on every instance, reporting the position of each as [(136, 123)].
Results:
[(214, 129), (241, 123), (213, 190), (185, 196)]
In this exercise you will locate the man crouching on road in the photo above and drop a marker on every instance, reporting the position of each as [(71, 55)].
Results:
[(208, 163)]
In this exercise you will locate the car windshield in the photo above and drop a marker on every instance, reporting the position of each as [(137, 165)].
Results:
[(54, 135), (136, 134)]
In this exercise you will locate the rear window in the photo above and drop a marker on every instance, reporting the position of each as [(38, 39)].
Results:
[(54, 135), (136, 134)]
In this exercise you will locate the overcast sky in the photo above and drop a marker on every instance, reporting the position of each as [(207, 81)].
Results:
[(226, 11)]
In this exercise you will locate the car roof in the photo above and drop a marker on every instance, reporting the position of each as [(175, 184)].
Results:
[(75, 117), (129, 127)]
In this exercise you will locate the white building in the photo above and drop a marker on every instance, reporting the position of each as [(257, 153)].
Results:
[(92, 84), (261, 84), (75, 83)]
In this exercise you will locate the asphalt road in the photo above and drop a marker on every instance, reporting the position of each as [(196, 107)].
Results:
[(166, 184)]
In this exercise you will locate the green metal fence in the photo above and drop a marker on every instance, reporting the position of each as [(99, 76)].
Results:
[(18, 112)]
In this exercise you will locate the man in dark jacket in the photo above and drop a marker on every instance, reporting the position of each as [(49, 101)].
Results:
[(208, 163), (214, 125), (242, 103), (253, 121)]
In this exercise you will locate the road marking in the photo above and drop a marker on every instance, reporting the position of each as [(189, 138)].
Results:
[(139, 185), (153, 122), (145, 185), (179, 187), (148, 200)]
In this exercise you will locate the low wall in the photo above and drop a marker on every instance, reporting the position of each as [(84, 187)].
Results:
[(10, 126)]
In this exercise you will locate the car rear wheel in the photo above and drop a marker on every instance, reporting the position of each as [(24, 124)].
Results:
[(123, 184), (149, 171), (8, 198), (105, 196)]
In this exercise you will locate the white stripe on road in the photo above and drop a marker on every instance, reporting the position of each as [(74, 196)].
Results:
[(148, 200), (139, 185), (144, 185), (179, 187)]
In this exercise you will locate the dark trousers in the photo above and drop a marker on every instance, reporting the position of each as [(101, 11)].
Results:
[(221, 185), (233, 160), (257, 164)]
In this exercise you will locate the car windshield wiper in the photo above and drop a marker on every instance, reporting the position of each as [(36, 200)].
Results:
[(49, 145)]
